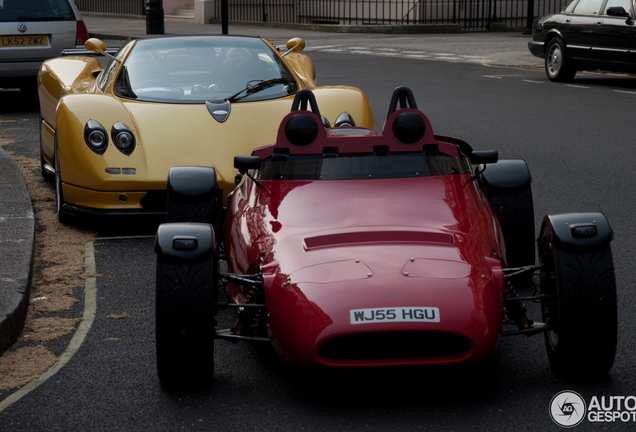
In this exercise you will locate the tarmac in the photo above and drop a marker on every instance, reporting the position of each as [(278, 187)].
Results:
[(17, 223)]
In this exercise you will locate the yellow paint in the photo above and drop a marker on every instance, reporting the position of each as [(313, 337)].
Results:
[(166, 134)]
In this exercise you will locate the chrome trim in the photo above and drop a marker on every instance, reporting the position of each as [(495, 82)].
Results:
[(610, 49), (84, 51), (584, 47), (48, 168)]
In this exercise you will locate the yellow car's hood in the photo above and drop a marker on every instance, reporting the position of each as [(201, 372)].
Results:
[(169, 135), (187, 134)]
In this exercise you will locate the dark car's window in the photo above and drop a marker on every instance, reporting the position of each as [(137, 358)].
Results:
[(364, 166), (588, 7), (570, 7), (38, 10), (197, 69), (625, 4)]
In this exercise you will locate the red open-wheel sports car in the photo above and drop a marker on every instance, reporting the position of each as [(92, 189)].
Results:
[(347, 248)]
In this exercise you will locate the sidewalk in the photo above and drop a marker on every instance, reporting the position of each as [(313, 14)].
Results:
[(16, 213), (506, 48), (17, 235)]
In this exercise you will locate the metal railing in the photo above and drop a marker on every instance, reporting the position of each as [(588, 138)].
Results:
[(113, 7), (469, 14)]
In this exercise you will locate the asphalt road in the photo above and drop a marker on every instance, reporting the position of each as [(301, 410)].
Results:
[(577, 140)]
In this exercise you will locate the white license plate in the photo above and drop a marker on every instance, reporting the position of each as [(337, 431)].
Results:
[(399, 314)]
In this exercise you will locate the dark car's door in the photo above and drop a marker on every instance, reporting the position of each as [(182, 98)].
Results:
[(614, 36), (578, 28)]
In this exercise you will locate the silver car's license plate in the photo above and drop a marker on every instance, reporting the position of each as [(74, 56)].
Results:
[(23, 41)]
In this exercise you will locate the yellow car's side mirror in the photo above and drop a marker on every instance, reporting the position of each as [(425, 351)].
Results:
[(295, 44), (95, 45)]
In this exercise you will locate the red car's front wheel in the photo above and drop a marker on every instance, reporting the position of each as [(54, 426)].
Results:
[(580, 307)]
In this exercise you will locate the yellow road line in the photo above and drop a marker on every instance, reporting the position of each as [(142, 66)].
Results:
[(90, 306)]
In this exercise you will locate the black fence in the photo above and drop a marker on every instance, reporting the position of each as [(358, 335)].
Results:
[(113, 7), (470, 14)]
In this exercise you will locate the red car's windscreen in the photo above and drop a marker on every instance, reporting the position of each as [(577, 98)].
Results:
[(360, 166)]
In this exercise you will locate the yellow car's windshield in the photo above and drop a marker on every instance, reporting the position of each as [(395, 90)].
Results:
[(200, 68)]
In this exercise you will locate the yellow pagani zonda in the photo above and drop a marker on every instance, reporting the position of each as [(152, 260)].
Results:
[(110, 135)]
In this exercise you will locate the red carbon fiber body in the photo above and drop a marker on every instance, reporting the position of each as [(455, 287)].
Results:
[(374, 271)]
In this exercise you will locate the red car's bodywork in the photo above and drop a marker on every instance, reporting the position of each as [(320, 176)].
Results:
[(371, 272), (347, 248)]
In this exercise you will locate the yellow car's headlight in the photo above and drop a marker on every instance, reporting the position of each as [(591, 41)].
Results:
[(96, 137), (123, 138)]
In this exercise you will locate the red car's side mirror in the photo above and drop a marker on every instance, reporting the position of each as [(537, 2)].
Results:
[(244, 163), (484, 157)]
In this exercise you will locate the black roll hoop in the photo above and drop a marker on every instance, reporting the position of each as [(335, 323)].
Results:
[(301, 99), (404, 95)]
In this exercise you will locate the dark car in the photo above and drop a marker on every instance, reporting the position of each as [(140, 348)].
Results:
[(587, 35)]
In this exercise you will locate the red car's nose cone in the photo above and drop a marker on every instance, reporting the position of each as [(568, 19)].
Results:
[(407, 310)]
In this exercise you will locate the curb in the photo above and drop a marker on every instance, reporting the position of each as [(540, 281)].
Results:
[(17, 239)]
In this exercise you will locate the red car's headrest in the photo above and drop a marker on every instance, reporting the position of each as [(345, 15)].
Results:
[(405, 130)]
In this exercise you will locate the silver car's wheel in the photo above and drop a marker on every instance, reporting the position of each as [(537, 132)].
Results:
[(558, 67)]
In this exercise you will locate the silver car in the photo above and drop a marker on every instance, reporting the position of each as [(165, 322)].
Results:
[(32, 31)]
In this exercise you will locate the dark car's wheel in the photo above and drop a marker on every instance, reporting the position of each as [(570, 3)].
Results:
[(59, 192), (558, 66), (515, 212), (581, 309), (185, 324)]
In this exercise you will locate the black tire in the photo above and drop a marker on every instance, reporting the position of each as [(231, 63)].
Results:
[(582, 313), (185, 323), (187, 209), (515, 212), (59, 192), (204, 208), (558, 65)]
